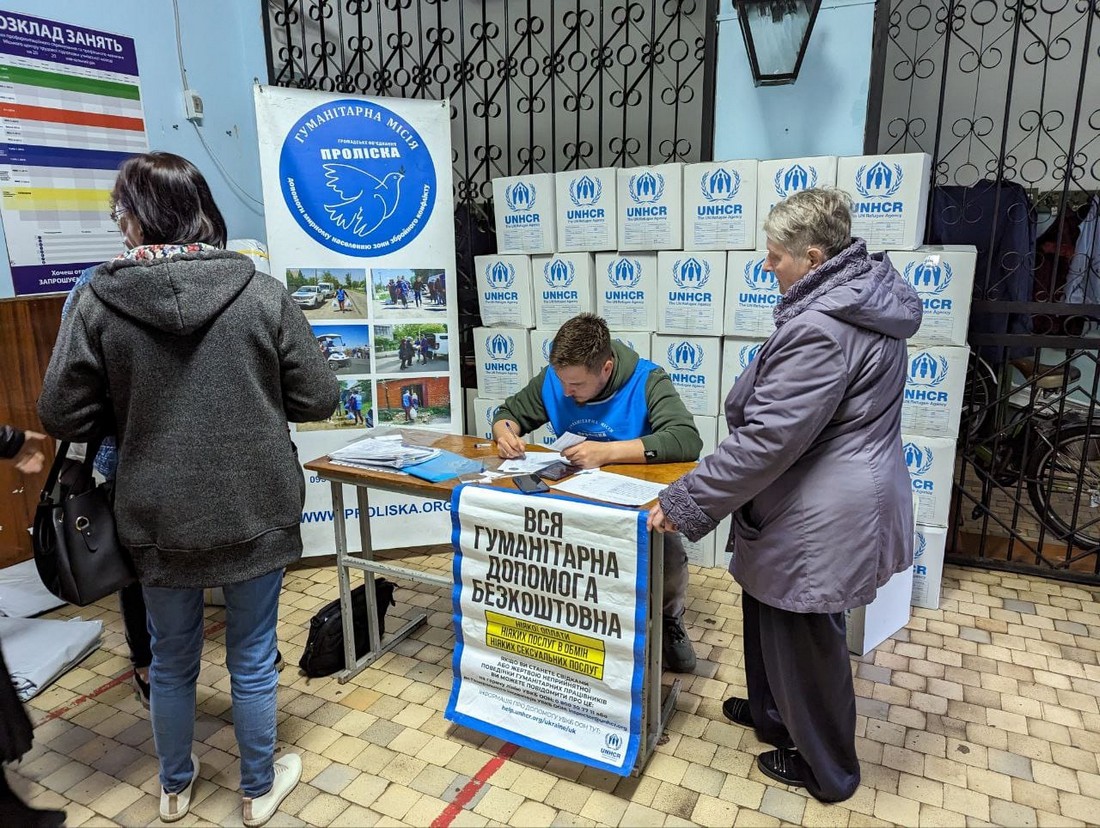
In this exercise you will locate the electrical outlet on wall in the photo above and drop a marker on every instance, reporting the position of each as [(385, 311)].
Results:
[(192, 105)]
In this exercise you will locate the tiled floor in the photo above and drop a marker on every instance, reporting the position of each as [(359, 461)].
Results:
[(982, 712)]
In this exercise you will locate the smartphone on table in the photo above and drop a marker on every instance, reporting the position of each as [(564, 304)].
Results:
[(530, 483), (558, 470)]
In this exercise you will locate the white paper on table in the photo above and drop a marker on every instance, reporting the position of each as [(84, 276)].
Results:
[(566, 440), (610, 487), (532, 462)]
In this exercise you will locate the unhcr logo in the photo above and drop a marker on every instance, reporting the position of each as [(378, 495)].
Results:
[(757, 278), (930, 277), (794, 178), (559, 273), (520, 197), (879, 181), (927, 370), (491, 413), (685, 356), (747, 354), (918, 459), (919, 547), (547, 346), (646, 188), (624, 273), (720, 184), (585, 191), (500, 275), (691, 273), (500, 347)]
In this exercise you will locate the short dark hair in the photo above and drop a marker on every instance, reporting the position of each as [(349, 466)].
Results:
[(583, 340), (170, 200)]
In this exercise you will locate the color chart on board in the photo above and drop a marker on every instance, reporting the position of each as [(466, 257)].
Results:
[(70, 113)]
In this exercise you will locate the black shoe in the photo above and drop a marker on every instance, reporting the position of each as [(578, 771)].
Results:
[(679, 655), (141, 690), (279, 662), (783, 765), (736, 709), (15, 812)]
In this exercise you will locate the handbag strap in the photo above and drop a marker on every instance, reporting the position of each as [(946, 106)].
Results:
[(90, 451)]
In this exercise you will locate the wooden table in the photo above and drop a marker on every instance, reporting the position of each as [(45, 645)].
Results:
[(655, 716)]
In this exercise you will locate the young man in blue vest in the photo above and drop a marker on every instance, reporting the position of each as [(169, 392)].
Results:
[(629, 412)]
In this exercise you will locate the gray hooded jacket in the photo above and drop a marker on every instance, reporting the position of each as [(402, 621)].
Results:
[(201, 362), (813, 470)]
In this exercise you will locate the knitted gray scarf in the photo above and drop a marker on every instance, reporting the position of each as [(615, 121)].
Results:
[(846, 265)]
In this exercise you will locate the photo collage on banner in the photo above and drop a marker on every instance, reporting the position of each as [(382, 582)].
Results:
[(360, 228)]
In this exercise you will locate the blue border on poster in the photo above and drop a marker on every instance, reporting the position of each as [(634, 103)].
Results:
[(641, 599)]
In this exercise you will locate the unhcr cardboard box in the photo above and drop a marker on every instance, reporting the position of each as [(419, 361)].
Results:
[(503, 361), (504, 291), (587, 219), (889, 198), (928, 566), (778, 179), (637, 341), (650, 208), (541, 340), (543, 436), (691, 288), (934, 385), (737, 354), (944, 278), (720, 205), (931, 464), (626, 290), (563, 287), (869, 626), (751, 295), (484, 411), (525, 215), (692, 362)]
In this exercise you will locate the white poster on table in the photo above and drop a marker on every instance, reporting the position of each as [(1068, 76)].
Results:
[(550, 602), (359, 212)]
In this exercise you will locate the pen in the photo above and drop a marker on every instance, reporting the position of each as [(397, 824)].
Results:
[(511, 431), (482, 445)]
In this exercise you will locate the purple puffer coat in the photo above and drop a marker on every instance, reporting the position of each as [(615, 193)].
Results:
[(813, 470)]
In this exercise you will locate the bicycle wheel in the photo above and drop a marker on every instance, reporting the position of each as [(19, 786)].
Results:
[(978, 397), (1063, 482)]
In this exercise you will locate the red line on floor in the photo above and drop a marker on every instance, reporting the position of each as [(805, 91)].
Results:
[(470, 789), (58, 712)]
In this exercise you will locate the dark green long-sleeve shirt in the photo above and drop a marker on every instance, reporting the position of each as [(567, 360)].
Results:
[(673, 437)]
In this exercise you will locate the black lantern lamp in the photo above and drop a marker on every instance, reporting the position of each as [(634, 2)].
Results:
[(776, 34)]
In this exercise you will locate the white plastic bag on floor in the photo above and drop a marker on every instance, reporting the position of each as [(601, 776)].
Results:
[(39, 650), (22, 593)]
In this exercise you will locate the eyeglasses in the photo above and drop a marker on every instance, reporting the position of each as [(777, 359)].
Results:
[(116, 213)]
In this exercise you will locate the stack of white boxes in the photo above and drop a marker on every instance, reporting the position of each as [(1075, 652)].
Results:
[(673, 257)]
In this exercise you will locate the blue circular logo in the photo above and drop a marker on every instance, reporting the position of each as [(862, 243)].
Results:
[(357, 178)]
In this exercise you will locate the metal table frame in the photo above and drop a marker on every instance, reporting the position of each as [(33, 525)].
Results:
[(655, 717)]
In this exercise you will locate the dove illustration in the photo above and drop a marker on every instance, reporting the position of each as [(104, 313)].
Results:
[(367, 200)]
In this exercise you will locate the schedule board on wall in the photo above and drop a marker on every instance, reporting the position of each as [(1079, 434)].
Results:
[(70, 114)]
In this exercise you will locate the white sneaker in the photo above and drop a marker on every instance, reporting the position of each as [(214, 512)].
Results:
[(174, 806), (288, 772)]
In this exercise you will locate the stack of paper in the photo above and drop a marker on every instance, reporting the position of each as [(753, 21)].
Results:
[(387, 452)]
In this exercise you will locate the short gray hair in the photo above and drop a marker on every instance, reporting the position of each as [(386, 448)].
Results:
[(818, 217)]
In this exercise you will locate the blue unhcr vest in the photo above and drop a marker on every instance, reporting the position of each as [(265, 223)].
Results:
[(622, 416)]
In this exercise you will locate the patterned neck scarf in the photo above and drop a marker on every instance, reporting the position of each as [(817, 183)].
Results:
[(148, 252)]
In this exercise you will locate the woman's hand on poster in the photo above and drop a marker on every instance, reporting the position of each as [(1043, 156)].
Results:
[(658, 522)]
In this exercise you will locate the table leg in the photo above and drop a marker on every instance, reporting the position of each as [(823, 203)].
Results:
[(343, 577)]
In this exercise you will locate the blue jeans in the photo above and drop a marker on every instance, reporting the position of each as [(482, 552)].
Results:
[(176, 627)]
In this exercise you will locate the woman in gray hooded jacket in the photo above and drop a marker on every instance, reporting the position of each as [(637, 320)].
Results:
[(814, 476), (196, 362)]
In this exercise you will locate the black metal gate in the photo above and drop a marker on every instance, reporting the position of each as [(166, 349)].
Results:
[(1005, 95), (534, 85)]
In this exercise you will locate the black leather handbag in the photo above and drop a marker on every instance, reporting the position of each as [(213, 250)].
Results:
[(76, 549)]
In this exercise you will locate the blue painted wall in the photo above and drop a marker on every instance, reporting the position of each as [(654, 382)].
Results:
[(223, 50), (822, 113)]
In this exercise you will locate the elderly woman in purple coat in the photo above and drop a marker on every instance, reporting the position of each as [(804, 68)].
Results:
[(814, 477)]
